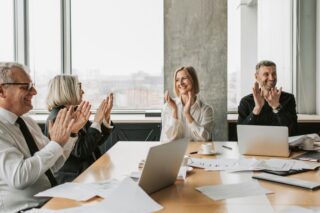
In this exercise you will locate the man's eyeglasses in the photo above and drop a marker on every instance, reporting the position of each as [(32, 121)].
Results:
[(25, 86)]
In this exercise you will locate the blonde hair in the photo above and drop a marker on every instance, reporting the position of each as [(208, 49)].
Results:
[(194, 79), (63, 90)]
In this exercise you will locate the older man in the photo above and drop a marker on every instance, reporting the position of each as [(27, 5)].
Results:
[(268, 105), (26, 156)]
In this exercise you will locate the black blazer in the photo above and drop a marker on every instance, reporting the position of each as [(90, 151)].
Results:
[(85, 151)]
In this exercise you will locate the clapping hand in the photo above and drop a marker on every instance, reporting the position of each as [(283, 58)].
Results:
[(273, 97), (104, 110), (109, 101), (188, 103), (100, 112), (81, 116), (187, 107), (172, 104), (258, 98), (60, 130)]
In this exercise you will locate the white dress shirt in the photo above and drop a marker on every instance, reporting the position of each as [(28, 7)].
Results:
[(22, 175), (199, 130)]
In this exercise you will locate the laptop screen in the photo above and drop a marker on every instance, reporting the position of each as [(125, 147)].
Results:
[(263, 140), (162, 165)]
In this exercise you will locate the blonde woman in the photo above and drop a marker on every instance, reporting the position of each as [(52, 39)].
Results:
[(186, 115), (66, 91)]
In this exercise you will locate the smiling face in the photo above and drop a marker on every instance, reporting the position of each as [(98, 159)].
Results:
[(183, 82), (17, 98), (266, 76)]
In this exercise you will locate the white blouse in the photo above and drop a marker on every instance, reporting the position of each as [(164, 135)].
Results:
[(199, 130)]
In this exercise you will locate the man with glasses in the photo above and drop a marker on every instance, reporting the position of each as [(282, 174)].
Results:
[(26, 155)]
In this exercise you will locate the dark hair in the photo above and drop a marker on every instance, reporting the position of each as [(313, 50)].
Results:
[(266, 63)]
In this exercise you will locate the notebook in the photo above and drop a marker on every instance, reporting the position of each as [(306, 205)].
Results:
[(289, 181), (263, 140), (162, 165)]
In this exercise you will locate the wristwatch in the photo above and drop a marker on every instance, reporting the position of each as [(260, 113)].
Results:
[(73, 135), (277, 109)]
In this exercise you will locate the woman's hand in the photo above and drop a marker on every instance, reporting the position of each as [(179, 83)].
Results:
[(98, 118), (81, 116), (109, 105), (187, 107), (172, 104)]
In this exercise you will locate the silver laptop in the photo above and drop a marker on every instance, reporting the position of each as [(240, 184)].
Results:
[(263, 140), (162, 165)]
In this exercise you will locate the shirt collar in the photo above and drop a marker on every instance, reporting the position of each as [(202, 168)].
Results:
[(8, 116)]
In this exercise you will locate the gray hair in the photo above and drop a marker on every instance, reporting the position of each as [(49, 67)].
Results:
[(266, 63), (63, 90), (6, 72)]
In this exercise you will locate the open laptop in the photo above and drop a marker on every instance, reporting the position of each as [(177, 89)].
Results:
[(263, 140), (162, 165)]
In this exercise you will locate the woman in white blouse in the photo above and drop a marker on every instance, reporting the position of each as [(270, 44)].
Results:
[(186, 115)]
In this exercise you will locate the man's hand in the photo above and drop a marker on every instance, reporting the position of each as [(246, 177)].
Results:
[(258, 98), (172, 104), (81, 116), (273, 97), (60, 130)]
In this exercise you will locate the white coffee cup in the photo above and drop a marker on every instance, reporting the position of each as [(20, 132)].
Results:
[(206, 148), (308, 144)]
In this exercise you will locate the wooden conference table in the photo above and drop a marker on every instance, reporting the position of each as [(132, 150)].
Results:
[(124, 158)]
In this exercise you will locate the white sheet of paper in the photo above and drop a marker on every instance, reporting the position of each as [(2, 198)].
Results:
[(275, 164), (225, 191), (305, 165), (298, 209), (244, 165), (261, 204), (212, 164), (80, 191), (127, 197), (103, 188)]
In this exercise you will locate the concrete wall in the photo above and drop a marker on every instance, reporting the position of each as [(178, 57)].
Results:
[(196, 35)]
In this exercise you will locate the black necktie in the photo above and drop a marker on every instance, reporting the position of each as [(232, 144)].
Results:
[(33, 147)]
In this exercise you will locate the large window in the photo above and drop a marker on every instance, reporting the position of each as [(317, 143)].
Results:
[(254, 34), (113, 46), (117, 46), (7, 29), (44, 46)]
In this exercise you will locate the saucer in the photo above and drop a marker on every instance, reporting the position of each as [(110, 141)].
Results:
[(212, 152)]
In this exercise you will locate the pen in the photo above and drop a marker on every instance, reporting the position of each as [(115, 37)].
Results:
[(227, 147), (195, 152)]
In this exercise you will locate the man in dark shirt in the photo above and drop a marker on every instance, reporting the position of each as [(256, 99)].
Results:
[(268, 105)]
